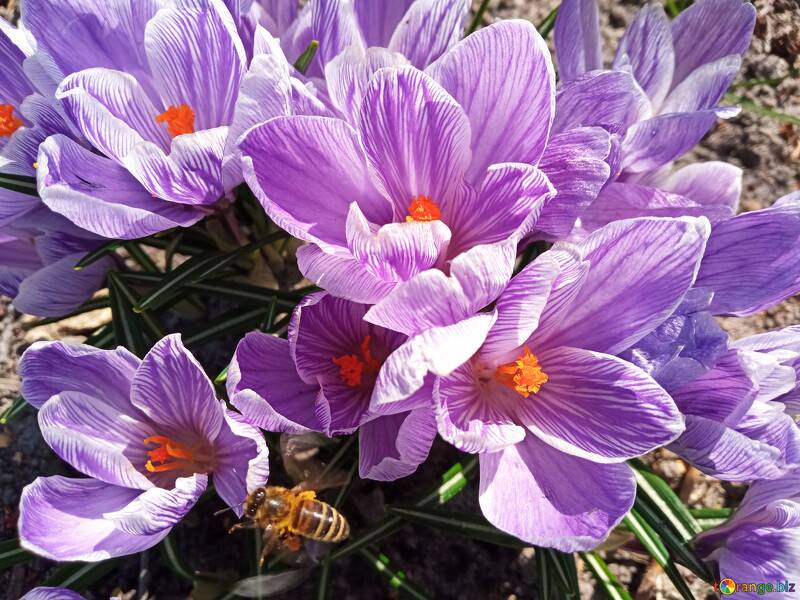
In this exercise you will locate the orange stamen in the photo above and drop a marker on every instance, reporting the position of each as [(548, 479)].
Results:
[(179, 120), (8, 122), (423, 208), (353, 366), (164, 454), (524, 375)]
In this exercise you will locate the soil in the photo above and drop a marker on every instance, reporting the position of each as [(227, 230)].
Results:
[(768, 150)]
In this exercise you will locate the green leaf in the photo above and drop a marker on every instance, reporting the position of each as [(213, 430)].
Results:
[(563, 565), (662, 498), (761, 110), (453, 481), (88, 306), (97, 254), (234, 322), (711, 513), (17, 407), (546, 26), (141, 257), (102, 337), (145, 316), (79, 576), (476, 20), (605, 578), (397, 579), (304, 60), (11, 554), (127, 329), (19, 183), (169, 551), (545, 584), (470, 525)]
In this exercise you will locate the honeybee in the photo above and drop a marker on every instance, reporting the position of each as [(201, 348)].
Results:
[(287, 515)]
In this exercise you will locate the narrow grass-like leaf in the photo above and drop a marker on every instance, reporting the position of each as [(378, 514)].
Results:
[(546, 26), (156, 329), (17, 407), (88, 306), (604, 577), (754, 107), (127, 329), (79, 576), (169, 551), (563, 564), (141, 257), (476, 20), (545, 584), (231, 323), (97, 254), (453, 481), (103, 337), (711, 513), (11, 554), (304, 60), (471, 525), (397, 579), (181, 247), (19, 183), (666, 501)]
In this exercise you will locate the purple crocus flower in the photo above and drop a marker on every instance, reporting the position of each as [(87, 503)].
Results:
[(324, 378), (761, 542), (147, 433), (157, 104), (659, 99), (52, 593), (438, 162), (544, 401)]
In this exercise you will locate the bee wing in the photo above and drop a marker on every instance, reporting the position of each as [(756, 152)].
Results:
[(300, 455), (264, 586), (325, 481)]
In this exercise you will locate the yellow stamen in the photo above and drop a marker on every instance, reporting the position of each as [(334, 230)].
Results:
[(8, 122), (423, 208), (179, 120), (525, 375)]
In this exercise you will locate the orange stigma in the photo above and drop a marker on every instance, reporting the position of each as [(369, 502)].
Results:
[(353, 366), (165, 455), (422, 208), (524, 375), (8, 122), (179, 120)]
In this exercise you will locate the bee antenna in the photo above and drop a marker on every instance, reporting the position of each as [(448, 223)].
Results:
[(224, 510)]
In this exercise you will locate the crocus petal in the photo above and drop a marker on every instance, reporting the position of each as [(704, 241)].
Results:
[(660, 140), (711, 183), (158, 509), (709, 30), (50, 368), (472, 417), (378, 21), (14, 85), (751, 261), (608, 99), (53, 509), (428, 29), (242, 460), (96, 439), (171, 388), (101, 196), (51, 593), (653, 262), (264, 385), (722, 452), (569, 513), (575, 163), (598, 407), (197, 59), (342, 275), (767, 423), (577, 38), (646, 47), (58, 289), (14, 205), (335, 26), (503, 78), (432, 299), (394, 446), (306, 171), (704, 87)]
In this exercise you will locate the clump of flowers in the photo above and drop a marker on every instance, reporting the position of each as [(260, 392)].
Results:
[(388, 237)]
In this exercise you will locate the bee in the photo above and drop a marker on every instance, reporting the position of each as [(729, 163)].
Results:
[(288, 515)]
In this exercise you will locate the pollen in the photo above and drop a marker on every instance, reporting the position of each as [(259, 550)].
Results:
[(179, 120), (168, 455), (423, 208), (352, 367), (525, 375), (8, 122)]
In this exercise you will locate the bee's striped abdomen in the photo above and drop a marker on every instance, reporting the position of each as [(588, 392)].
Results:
[(319, 521)]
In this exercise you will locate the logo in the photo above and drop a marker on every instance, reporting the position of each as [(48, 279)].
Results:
[(727, 586)]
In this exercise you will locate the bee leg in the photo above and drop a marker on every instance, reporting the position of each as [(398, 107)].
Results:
[(269, 541), (242, 525)]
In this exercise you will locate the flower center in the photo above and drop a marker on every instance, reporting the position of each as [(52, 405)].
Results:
[(422, 208), (352, 366), (169, 455), (524, 375), (179, 120), (8, 122)]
